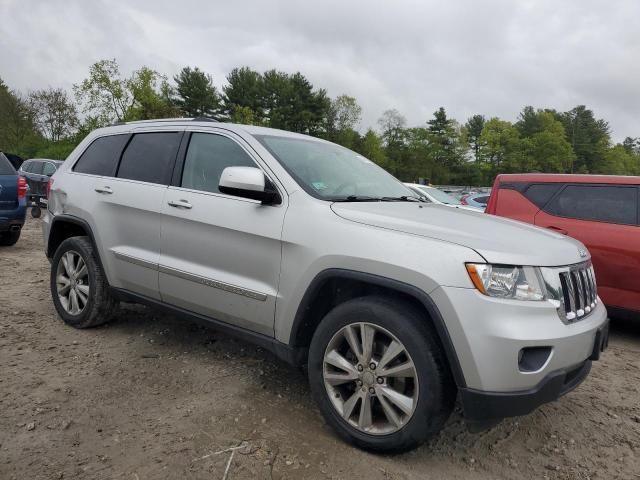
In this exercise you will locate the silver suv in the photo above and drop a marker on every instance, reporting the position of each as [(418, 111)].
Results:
[(395, 306)]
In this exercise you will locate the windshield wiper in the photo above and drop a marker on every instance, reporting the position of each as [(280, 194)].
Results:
[(363, 198), (356, 198), (403, 198)]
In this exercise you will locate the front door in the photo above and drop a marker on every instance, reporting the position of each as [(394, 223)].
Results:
[(220, 254)]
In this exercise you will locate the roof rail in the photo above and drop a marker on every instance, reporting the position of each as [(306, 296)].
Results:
[(154, 120), (203, 119)]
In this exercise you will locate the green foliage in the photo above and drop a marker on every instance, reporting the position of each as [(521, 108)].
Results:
[(47, 124), (503, 149), (195, 94), (55, 150), (371, 147), (244, 89), (548, 149), (618, 161), (473, 129), (54, 113), (151, 96), (18, 131), (106, 97), (588, 136), (344, 114), (243, 115)]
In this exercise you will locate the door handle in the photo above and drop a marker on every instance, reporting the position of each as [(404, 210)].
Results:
[(558, 230), (180, 204), (105, 189)]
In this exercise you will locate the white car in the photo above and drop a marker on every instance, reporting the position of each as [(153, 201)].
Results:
[(435, 195)]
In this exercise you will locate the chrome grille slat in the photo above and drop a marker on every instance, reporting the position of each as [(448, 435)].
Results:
[(579, 293), (594, 290)]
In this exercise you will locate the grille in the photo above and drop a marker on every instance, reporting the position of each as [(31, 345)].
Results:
[(579, 291)]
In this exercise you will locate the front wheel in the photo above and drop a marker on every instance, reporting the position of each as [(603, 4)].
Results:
[(79, 287), (379, 375)]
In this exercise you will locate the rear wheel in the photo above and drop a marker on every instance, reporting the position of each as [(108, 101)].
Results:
[(79, 287), (379, 375), (8, 239)]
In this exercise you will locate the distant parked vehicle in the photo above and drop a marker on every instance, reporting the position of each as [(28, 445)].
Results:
[(476, 200), (600, 211), (37, 172), (434, 195), (13, 192)]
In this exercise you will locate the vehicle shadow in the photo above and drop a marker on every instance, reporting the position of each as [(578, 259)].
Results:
[(626, 327)]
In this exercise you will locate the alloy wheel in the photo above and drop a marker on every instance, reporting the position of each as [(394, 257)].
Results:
[(370, 378), (72, 282)]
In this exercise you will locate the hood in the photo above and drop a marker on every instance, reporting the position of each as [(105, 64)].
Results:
[(498, 240)]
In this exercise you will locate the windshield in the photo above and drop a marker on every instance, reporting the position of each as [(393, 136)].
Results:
[(440, 196), (331, 172)]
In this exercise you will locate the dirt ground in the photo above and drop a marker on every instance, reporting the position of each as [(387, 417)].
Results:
[(153, 396)]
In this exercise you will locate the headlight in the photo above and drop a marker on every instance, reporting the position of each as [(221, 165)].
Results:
[(507, 281)]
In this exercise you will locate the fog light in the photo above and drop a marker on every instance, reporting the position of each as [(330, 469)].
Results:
[(532, 359)]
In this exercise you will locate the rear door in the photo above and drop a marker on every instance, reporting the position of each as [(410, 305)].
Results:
[(129, 208), (220, 253), (605, 219)]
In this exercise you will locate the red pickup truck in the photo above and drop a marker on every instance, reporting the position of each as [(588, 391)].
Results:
[(601, 211)]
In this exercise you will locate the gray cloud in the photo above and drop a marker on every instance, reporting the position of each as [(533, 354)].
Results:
[(490, 57)]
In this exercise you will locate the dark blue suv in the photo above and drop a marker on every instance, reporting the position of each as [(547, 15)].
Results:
[(13, 202)]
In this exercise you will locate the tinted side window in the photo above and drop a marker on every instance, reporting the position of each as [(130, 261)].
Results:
[(603, 203), (207, 156), (101, 157), (540, 194), (149, 157), (49, 168)]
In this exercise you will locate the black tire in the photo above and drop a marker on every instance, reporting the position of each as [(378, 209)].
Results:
[(8, 239), (36, 212), (411, 327), (101, 305)]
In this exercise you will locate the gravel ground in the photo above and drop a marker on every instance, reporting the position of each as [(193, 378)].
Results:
[(154, 396)]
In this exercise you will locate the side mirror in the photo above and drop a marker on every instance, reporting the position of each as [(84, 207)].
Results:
[(248, 182)]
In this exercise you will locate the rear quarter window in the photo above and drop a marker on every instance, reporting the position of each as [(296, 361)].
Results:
[(601, 203), (101, 157), (540, 193)]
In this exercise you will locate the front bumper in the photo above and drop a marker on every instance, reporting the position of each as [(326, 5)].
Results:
[(488, 334), (483, 409)]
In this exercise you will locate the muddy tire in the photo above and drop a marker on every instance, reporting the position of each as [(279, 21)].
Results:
[(79, 287), (379, 375)]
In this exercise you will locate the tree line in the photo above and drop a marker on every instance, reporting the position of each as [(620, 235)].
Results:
[(50, 122)]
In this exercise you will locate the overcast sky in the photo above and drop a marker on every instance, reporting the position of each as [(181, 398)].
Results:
[(470, 56)]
